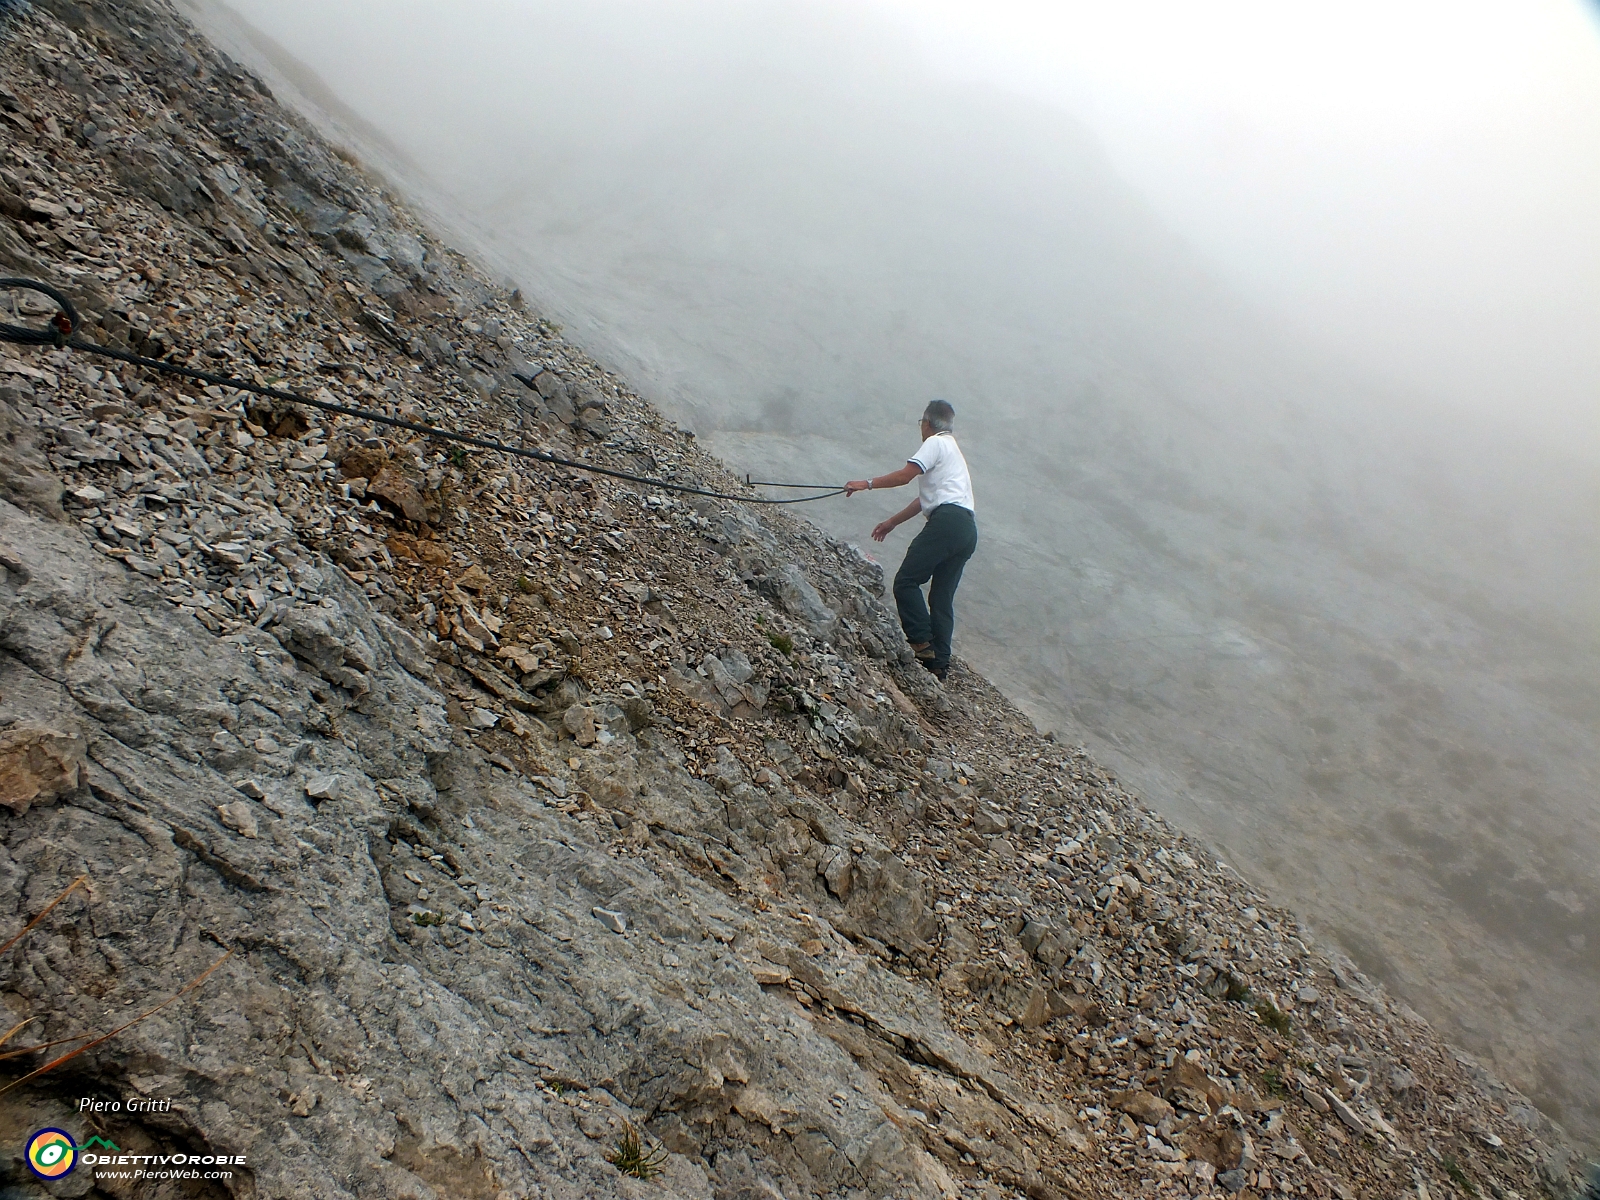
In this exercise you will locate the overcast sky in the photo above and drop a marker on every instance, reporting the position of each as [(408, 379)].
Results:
[(1413, 183)]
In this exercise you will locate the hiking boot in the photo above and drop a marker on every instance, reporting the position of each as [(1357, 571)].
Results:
[(938, 673), (923, 651)]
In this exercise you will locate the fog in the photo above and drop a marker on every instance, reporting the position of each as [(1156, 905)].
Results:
[(1271, 343), (1414, 179)]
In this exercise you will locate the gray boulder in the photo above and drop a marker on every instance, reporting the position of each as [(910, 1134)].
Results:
[(25, 477), (802, 601)]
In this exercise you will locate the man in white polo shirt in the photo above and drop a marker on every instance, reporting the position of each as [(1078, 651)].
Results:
[(947, 540)]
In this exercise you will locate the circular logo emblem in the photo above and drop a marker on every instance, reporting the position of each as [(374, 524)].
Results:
[(52, 1153)]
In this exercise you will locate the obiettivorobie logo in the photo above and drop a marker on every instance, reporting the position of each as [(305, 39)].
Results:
[(52, 1154)]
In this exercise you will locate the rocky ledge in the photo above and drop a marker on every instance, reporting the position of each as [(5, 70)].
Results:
[(565, 837)]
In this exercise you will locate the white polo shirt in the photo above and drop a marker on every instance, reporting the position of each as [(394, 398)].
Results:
[(944, 478)]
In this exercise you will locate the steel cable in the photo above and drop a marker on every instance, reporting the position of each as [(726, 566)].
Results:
[(60, 333)]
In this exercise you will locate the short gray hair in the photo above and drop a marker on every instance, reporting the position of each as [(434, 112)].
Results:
[(941, 415)]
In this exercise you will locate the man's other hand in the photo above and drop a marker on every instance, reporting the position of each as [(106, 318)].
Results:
[(854, 486), (883, 530)]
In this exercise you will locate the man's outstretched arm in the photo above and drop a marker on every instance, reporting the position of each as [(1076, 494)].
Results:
[(893, 479), (885, 528)]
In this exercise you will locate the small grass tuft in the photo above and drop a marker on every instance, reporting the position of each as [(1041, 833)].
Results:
[(1238, 990), (1458, 1177), (782, 643), (458, 456), (525, 585), (1272, 1080), (631, 1157), (1274, 1018)]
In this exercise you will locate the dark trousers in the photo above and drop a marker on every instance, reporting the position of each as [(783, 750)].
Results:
[(938, 553)]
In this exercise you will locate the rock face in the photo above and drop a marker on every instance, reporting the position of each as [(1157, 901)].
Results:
[(522, 813), (38, 766), (25, 480), (526, 963)]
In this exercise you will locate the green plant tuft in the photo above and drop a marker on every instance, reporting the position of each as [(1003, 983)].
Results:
[(782, 643), (1272, 1080), (1274, 1018), (524, 584), (1238, 990), (631, 1158), (458, 456), (1459, 1177)]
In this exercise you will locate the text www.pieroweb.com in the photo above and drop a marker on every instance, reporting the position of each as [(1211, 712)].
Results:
[(160, 1166)]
